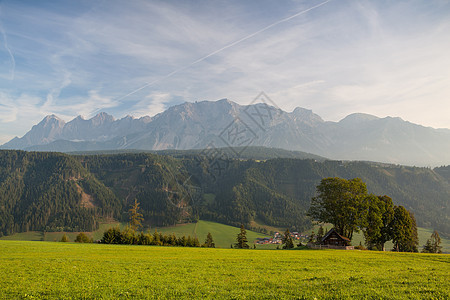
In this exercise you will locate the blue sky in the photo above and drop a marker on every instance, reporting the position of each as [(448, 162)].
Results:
[(69, 58)]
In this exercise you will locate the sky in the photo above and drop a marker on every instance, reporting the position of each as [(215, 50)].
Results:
[(335, 57)]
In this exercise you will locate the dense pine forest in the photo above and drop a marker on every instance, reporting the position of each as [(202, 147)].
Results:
[(53, 191)]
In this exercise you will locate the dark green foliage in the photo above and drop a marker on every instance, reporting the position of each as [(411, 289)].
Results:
[(404, 231), (378, 224), (340, 202), (44, 192), (209, 242), (320, 234), (130, 237), (83, 238), (241, 239), (433, 244), (112, 236), (288, 242)]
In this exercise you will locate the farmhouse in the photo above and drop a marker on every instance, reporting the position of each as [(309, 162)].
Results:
[(333, 238)]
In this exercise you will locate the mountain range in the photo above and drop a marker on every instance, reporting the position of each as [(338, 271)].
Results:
[(223, 123)]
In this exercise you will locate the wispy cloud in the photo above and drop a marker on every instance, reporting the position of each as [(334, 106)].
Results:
[(12, 60), (151, 105)]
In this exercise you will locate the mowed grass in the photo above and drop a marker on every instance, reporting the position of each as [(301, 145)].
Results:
[(46, 270)]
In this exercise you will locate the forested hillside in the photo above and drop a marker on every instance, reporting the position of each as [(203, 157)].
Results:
[(51, 192), (47, 191), (444, 171)]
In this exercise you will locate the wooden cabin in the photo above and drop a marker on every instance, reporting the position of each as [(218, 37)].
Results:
[(333, 238)]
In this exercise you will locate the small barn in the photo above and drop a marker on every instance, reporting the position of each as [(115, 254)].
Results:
[(333, 238)]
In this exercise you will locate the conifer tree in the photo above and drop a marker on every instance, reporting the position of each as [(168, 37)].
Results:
[(136, 217), (287, 240), (242, 239), (209, 242)]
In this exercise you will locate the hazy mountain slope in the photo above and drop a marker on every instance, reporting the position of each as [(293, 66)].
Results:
[(226, 124)]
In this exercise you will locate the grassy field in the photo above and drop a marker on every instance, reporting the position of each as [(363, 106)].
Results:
[(45, 270)]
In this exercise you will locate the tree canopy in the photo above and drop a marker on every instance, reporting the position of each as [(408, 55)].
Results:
[(404, 230), (346, 204), (340, 202)]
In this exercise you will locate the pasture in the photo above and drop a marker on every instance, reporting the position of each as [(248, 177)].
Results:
[(48, 270)]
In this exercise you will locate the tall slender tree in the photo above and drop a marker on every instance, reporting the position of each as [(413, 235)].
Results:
[(136, 217), (241, 240), (209, 242)]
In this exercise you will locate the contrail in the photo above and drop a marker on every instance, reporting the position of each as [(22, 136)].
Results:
[(13, 61), (224, 48)]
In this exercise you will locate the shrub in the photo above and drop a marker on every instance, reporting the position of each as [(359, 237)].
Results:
[(83, 238), (64, 238)]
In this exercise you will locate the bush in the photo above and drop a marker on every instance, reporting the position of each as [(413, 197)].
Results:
[(64, 238), (83, 238), (112, 236)]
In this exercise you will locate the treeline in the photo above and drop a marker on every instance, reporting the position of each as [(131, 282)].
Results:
[(129, 236)]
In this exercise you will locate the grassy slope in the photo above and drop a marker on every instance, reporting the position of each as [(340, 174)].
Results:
[(223, 235), (25, 236), (78, 271)]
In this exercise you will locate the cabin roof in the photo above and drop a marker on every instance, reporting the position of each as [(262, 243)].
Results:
[(334, 230)]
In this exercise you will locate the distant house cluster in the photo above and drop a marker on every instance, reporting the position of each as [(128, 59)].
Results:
[(278, 238)]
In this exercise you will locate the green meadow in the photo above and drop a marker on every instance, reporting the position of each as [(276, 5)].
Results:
[(224, 235), (47, 270)]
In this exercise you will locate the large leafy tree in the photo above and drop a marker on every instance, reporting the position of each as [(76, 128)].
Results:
[(342, 203), (404, 230), (378, 224)]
